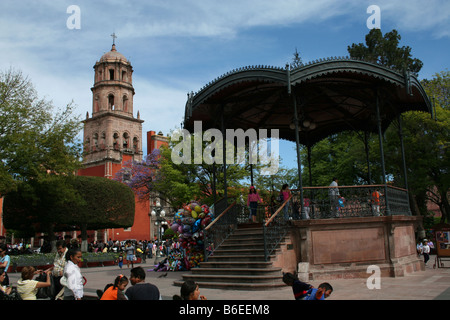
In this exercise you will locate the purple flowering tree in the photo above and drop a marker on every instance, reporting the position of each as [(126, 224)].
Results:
[(142, 176)]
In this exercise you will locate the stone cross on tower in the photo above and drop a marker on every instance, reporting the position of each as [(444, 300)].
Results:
[(114, 38)]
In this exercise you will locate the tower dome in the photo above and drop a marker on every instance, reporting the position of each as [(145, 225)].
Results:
[(113, 56)]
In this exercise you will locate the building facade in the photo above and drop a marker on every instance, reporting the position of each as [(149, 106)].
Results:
[(113, 136)]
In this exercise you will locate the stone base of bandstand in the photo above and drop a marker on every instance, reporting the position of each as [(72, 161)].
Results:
[(346, 248)]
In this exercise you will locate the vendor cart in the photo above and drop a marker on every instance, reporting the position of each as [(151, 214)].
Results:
[(442, 244)]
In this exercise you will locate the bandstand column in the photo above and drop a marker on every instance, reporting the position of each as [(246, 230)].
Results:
[(380, 140), (405, 175), (224, 139), (297, 142)]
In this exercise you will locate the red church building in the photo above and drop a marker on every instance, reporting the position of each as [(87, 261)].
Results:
[(113, 136)]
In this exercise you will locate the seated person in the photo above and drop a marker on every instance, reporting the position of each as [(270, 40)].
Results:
[(299, 288), (27, 287), (323, 292), (140, 290)]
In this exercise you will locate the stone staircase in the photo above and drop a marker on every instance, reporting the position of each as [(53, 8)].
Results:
[(238, 264)]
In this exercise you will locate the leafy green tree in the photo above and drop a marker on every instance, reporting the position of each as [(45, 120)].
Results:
[(179, 183), (426, 141), (58, 203), (34, 138), (102, 203), (385, 50)]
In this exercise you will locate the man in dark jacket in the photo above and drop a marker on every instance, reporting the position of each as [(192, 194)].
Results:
[(140, 290)]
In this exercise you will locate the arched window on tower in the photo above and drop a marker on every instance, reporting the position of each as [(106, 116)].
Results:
[(135, 145), (111, 74), (126, 139), (111, 102), (87, 145), (96, 101), (95, 142), (124, 76), (116, 144), (125, 103), (103, 141)]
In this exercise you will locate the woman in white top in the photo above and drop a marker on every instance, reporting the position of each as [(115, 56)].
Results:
[(73, 289)]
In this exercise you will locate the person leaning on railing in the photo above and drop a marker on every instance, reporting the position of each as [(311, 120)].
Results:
[(334, 195), (376, 203)]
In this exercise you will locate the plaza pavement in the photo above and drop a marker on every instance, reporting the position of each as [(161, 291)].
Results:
[(431, 284)]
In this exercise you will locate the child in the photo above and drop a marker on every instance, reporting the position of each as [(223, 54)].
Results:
[(299, 288), (120, 260), (189, 291), (323, 292), (115, 292), (426, 251)]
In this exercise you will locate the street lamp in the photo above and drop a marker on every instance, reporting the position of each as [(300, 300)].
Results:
[(158, 214)]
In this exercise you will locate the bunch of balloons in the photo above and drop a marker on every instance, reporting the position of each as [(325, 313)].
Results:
[(189, 222), (176, 260)]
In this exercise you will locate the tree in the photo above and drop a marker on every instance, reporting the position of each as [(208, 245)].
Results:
[(69, 202), (34, 138), (427, 136), (180, 183), (385, 50), (104, 204), (296, 60)]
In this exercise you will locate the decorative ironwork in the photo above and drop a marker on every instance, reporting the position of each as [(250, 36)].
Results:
[(221, 227), (320, 203), (275, 229), (351, 201)]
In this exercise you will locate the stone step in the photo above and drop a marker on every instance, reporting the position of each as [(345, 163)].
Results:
[(250, 225), (238, 264), (266, 279), (235, 264), (239, 271), (248, 230), (245, 237), (241, 245), (236, 285), (238, 258), (241, 251), (244, 241)]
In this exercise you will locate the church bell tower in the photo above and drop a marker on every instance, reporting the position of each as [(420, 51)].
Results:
[(112, 135)]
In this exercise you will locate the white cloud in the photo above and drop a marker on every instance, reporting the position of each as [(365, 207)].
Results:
[(432, 16), (158, 33)]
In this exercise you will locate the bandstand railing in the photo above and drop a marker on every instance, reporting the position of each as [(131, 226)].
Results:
[(319, 203), (350, 201), (275, 228), (331, 202), (221, 227)]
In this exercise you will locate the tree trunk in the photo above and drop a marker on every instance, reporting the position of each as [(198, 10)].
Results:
[(445, 208), (51, 237), (416, 212), (84, 243)]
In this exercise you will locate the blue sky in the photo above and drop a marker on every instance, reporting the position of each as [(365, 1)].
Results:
[(177, 46)]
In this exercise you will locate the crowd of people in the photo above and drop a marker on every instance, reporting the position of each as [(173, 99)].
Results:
[(64, 281)]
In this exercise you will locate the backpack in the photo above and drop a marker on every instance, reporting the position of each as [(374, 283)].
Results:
[(48, 292)]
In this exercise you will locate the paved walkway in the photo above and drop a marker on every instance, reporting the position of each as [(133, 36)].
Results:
[(431, 284)]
